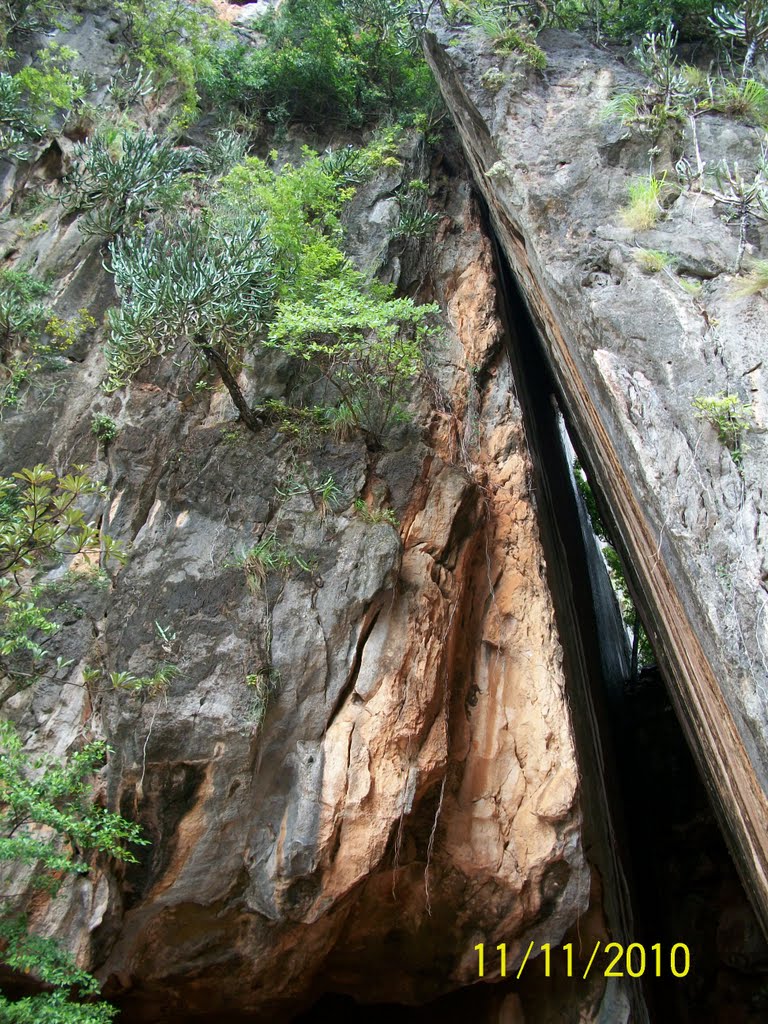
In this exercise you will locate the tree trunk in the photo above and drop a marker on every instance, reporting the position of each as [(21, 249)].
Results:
[(217, 360)]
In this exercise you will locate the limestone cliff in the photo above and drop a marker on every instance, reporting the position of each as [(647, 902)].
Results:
[(429, 773)]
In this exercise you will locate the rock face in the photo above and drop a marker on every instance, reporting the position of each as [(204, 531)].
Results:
[(367, 764), (413, 786), (630, 353)]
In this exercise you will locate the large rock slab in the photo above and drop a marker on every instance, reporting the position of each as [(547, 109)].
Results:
[(630, 352)]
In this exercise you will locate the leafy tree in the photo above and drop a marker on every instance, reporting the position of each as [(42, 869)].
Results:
[(48, 821), (344, 327), (31, 99), (367, 346), (39, 524), (344, 62), (301, 206), (193, 285), (170, 39)]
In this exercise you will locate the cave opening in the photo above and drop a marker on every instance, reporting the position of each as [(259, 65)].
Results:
[(650, 828)]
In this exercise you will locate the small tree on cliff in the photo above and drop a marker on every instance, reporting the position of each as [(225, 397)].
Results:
[(48, 819), (195, 287)]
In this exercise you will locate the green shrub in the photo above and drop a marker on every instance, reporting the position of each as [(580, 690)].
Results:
[(172, 39), (748, 100), (731, 417), (18, 128), (104, 428), (151, 685), (653, 261), (22, 313), (301, 207), (375, 515), (191, 285), (367, 346), (266, 556), (30, 99), (48, 821), (119, 180), (643, 209), (324, 493), (415, 220), (31, 336), (623, 19), (324, 62), (40, 523)]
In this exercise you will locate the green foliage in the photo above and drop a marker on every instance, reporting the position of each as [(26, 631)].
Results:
[(31, 336), (226, 150), (190, 283), (415, 220), (152, 684), (657, 58), (44, 796), (303, 426), (745, 197), (22, 314), (263, 688), (22, 17), (47, 820), (55, 1007), (18, 129), (643, 209), (47, 84), (367, 346), (302, 207), (493, 79), (40, 523), (653, 261), (119, 180), (325, 62), (747, 25), (34, 96), (375, 515), (623, 19), (103, 427), (266, 556), (731, 417), (510, 27), (172, 39), (747, 99)]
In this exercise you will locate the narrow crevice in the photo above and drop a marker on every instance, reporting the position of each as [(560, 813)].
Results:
[(594, 645)]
